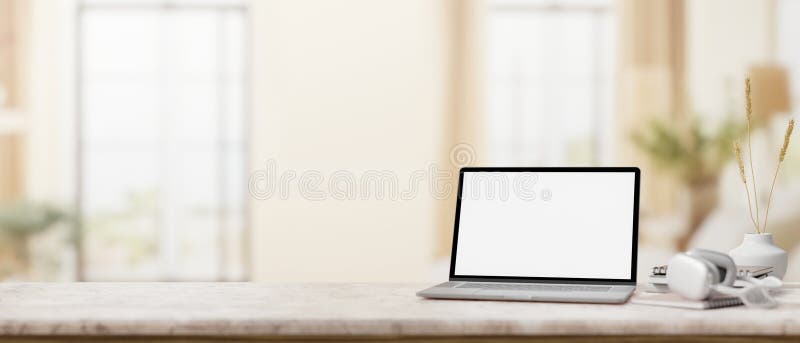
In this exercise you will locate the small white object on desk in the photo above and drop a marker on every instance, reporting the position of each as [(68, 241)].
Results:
[(675, 300)]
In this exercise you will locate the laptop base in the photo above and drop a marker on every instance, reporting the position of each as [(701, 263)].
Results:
[(575, 293)]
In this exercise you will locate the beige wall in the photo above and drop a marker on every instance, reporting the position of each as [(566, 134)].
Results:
[(366, 87), (721, 45)]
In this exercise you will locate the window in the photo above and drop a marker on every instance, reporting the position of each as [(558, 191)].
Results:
[(162, 140), (550, 82)]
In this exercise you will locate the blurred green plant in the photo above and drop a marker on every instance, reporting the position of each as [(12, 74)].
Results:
[(26, 218), (693, 153), (19, 222)]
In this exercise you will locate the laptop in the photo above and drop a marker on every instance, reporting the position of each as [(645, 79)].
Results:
[(544, 234)]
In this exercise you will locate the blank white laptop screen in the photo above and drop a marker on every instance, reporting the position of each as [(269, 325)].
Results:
[(546, 224)]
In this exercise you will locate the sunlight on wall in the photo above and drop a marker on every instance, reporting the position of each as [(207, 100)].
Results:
[(364, 88)]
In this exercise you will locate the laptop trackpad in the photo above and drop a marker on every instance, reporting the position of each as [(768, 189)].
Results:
[(504, 294), (439, 291)]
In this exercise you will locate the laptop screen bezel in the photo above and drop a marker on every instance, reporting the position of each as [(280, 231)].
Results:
[(526, 279)]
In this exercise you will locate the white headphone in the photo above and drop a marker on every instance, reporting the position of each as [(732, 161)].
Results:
[(698, 274)]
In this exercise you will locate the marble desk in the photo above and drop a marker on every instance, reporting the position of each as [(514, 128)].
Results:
[(247, 312)]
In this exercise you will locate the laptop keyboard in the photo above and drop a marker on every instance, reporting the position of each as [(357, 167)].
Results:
[(534, 287)]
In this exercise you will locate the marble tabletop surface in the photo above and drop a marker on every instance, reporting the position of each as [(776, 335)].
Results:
[(253, 309)]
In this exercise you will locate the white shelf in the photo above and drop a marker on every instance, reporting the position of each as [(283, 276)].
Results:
[(11, 122)]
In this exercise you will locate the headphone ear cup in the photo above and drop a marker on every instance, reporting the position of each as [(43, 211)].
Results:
[(691, 277), (723, 263), (715, 277)]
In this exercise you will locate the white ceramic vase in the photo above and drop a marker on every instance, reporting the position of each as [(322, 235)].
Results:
[(758, 249)]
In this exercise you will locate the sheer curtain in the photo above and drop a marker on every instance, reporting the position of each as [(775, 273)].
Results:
[(650, 85)]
